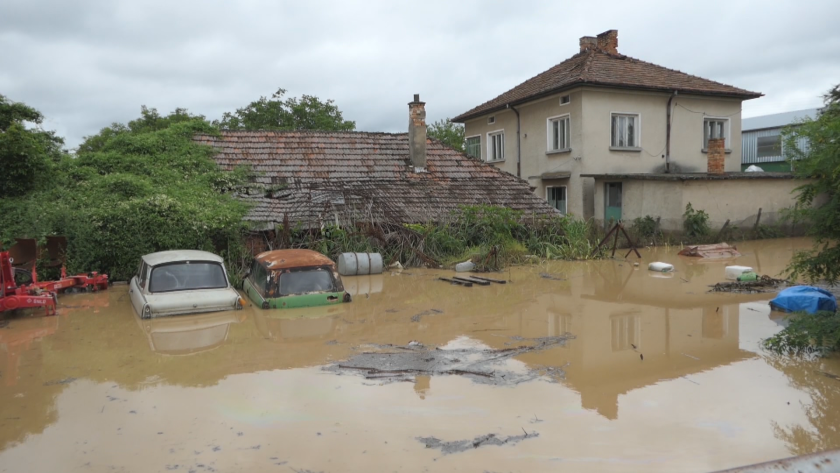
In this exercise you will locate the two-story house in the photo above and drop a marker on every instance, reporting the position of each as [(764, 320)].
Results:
[(603, 112)]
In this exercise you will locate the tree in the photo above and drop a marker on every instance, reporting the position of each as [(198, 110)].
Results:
[(305, 113), (818, 201), (134, 189), (26, 155), (449, 133)]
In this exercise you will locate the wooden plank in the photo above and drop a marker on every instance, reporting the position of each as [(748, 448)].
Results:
[(481, 278), (480, 283), (460, 283)]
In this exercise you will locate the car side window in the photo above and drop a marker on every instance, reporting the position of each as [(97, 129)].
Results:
[(141, 275), (258, 277)]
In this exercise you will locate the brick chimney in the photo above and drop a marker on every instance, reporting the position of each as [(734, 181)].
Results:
[(417, 133), (587, 43), (608, 41), (716, 153)]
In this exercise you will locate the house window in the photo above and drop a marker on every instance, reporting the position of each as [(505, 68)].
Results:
[(625, 130), (496, 146), (558, 133), (715, 128), (474, 146), (626, 331), (557, 198), (491, 120), (769, 146), (565, 99)]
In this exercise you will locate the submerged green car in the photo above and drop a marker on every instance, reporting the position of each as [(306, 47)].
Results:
[(286, 279)]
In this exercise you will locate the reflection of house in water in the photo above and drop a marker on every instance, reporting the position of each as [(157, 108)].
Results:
[(187, 334), (631, 330)]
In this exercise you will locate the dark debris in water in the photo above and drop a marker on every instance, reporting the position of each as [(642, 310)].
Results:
[(393, 363), (59, 381), (417, 317), (763, 284), (458, 446)]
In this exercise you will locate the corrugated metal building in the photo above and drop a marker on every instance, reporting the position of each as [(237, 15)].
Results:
[(761, 139)]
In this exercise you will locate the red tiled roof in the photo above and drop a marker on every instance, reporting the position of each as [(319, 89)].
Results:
[(363, 176), (596, 67)]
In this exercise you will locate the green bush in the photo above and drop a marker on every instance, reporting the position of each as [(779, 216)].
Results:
[(695, 222), (807, 334), (133, 190)]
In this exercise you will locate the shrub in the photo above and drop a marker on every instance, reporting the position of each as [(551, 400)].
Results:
[(807, 334), (696, 222)]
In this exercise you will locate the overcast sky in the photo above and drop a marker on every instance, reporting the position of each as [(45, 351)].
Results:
[(86, 64)]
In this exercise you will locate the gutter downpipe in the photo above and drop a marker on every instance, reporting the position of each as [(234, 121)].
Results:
[(668, 134), (518, 143)]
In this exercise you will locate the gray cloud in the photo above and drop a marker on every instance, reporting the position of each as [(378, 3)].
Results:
[(88, 64)]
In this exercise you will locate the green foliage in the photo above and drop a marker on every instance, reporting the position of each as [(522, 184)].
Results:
[(27, 155), (645, 230), (695, 222), (818, 200), (492, 237), (305, 113), (807, 334), (449, 133), (134, 189)]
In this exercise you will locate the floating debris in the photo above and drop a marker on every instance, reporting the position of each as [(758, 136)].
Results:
[(762, 284), (719, 251), (482, 365), (458, 446)]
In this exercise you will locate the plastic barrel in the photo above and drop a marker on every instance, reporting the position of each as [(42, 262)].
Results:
[(351, 264)]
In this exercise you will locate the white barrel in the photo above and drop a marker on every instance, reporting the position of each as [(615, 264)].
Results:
[(356, 285), (351, 264), (732, 272), (661, 267)]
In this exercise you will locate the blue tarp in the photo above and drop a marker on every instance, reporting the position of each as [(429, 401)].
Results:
[(807, 298)]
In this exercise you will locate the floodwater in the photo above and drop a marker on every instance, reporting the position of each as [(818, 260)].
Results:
[(659, 376)]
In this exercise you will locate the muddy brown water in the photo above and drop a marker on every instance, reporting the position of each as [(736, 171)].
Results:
[(660, 376)]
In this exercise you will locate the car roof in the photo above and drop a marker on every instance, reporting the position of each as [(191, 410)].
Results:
[(172, 256), (284, 259)]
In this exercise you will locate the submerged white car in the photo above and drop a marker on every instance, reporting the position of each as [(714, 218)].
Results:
[(182, 282)]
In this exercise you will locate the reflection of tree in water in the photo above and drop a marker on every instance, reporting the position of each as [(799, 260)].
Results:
[(823, 412)]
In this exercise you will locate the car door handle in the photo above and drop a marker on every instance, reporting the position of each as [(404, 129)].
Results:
[(131, 291)]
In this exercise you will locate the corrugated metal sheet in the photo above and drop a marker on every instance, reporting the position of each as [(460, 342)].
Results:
[(749, 146)]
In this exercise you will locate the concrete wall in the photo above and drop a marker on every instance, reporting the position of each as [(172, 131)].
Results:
[(589, 110), (736, 200)]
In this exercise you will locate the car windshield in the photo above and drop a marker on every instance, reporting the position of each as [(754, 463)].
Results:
[(302, 282), (185, 276)]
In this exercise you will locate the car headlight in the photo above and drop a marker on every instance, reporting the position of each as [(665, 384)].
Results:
[(239, 304), (147, 311)]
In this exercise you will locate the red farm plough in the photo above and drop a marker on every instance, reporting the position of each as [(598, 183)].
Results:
[(33, 293)]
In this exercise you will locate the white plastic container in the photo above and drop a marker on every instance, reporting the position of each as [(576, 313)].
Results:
[(351, 264), (465, 266), (732, 272), (660, 267)]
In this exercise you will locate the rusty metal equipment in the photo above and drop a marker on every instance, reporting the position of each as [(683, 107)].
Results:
[(22, 258)]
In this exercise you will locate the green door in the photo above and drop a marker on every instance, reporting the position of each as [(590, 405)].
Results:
[(612, 202)]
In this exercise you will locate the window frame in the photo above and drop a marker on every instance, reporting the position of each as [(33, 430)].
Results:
[(568, 98), (466, 146), (565, 211), (491, 120), (220, 265), (490, 136), (637, 131), (779, 147), (548, 132), (727, 132)]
